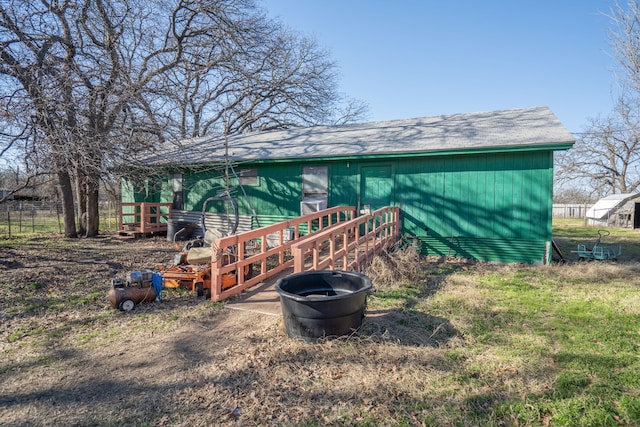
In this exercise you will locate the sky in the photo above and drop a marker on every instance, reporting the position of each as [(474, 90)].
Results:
[(417, 58)]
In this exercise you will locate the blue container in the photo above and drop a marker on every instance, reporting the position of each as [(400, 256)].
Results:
[(327, 303)]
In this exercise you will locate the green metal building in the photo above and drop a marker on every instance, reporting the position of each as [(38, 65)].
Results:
[(475, 185)]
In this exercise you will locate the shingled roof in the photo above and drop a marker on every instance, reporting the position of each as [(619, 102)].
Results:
[(525, 128)]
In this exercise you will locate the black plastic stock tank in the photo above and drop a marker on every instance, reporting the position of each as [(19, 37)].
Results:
[(326, 303)]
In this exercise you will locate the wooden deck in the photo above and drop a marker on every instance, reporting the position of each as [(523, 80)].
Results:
[(144, 218)]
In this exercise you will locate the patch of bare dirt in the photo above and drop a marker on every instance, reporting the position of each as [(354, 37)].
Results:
[(68, 358)]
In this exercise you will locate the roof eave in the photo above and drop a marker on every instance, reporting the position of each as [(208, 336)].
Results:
[(561, 146)]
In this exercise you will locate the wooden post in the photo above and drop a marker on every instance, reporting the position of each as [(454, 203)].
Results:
[(298, 260), (216, 277), (332, 251), (143, 206)]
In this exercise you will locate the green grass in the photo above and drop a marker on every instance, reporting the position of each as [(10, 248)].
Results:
[(43, 222), (553, 345), (568, 233)]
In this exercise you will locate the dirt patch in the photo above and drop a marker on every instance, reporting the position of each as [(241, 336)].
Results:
[(71, 359)]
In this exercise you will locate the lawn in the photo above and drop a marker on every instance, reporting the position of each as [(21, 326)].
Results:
[(444, 342)]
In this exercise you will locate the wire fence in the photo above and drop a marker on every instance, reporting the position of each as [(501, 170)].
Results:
[(34, 217), (570, 210), (38, 217)]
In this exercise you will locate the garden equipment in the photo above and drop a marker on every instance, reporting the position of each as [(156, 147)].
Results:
[(197, 278), (599, 251), (139, 286), (192, 269)]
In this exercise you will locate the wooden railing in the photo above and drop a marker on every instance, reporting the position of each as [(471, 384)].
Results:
[(269, 247), (349, 245), (144, 217)]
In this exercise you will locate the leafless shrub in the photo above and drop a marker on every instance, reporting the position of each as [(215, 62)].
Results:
[(395, 265)]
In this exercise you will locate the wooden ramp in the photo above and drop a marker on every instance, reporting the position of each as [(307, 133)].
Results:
[(342, 245), (261, 298), (334, 239)]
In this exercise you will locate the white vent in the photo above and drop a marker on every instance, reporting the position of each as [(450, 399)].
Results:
[(309, 206)]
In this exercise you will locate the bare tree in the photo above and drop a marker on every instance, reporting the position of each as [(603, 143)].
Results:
[(625, 41), (64, 63), (23, 166), (89, 83), (254, 75), (606, 155), (573, 195)]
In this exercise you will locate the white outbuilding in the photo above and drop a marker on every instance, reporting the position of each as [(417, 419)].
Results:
[(616, 210)]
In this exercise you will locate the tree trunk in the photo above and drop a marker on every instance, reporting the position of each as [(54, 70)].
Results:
[(93, 218), (81, 190), (68, 210)]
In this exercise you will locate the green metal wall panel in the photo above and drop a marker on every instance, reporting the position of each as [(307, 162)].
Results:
[(497, 250), (280, 190), (491, 206), (154, 191), (128, 192), (166, 190), (376, 189), (344, 183), (198, 187)]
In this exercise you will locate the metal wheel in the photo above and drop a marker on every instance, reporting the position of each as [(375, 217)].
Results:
[(127, 304)]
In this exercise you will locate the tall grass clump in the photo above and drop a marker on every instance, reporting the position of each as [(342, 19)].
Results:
[(395, 266)]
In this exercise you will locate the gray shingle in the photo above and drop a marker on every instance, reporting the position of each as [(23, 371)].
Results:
[(525, 127)]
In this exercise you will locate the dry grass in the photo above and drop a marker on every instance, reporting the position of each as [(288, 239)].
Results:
[(394, 266), (444, 342)]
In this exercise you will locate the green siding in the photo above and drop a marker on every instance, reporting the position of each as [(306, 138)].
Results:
[(377, 186), (280, 190), (276, 197), (344, 184), (488, 206), (158, 191)]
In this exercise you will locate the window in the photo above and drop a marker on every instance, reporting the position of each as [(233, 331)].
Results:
[(315, 182), (248, 176)]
